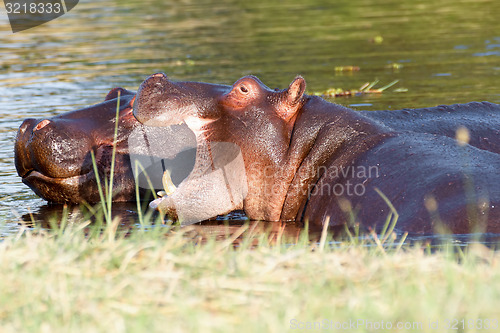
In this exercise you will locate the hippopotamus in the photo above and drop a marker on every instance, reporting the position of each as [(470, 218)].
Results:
[(307, 159), (52, 155)]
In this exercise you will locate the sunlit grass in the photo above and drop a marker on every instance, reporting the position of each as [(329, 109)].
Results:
[(74, 279)]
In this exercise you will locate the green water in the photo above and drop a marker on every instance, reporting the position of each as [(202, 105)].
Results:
[(448, 52)]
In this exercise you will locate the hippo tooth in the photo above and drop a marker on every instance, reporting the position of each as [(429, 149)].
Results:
[(197, 125), (168, 185)]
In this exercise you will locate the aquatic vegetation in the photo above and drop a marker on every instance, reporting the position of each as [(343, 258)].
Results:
[(367, 88), (394, 66), (347, 68)]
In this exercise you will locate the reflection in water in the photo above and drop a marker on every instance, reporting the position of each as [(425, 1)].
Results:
[(234, 226), (51, 215), (75, 60)]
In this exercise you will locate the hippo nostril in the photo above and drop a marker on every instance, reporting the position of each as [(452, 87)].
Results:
[(159, 75), (41, 124), (26, 123)]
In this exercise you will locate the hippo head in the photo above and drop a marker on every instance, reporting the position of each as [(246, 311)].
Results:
[(52, 155), (248, 115), (161, 102)]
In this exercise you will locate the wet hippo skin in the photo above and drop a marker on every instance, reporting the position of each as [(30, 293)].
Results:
[(480, 118), (309, 159)]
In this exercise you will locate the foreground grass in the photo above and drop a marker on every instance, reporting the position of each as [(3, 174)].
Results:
[(70, 282)]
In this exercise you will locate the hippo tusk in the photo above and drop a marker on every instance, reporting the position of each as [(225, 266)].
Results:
[(168, 185)]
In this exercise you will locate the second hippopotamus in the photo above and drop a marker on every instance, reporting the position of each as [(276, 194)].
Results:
[(299, 157)]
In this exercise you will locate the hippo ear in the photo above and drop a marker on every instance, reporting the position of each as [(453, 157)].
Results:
[(113, 93), (292, 99), (296, 90)]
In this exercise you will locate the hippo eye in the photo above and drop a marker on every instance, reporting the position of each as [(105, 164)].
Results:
[(243, 89)]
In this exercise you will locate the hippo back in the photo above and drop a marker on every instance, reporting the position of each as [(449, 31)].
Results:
[(482, 119)]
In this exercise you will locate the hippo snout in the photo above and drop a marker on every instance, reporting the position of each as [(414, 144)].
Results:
[(21, 151), (27, 124), (156, 101), (46, 147)]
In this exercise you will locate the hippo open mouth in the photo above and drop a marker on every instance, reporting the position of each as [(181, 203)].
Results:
[(218, 169)]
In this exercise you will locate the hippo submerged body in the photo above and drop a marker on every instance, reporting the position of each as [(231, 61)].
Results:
[(284, 155)]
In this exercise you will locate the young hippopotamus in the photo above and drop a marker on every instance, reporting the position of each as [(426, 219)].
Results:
[(299, 157), (52, 155)]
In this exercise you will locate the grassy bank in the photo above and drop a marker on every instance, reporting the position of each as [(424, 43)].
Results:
[(70, 282)]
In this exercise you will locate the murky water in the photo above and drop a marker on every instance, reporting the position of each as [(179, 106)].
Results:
[(446, 52)]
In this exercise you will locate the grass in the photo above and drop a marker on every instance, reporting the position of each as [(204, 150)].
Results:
[(74, 280)]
